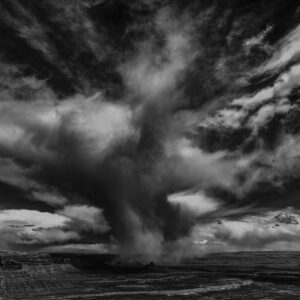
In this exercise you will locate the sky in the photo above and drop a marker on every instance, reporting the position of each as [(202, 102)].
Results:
[(149, 128)]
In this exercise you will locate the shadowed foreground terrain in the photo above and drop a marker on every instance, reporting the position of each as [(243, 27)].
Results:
[(246, 275)]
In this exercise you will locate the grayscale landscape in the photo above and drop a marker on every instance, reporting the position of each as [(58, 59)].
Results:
[(247, 275), (150, 149)]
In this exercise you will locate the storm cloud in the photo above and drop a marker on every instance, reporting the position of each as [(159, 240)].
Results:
[(136, 131)]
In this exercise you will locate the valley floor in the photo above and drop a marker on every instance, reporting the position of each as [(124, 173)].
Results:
[(228, 276)]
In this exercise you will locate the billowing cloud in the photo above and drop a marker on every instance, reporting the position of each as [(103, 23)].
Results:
[(254, 232), (137, 130), (196, 203), (98, 151), (30, 227), (85, 218), (21, 227)]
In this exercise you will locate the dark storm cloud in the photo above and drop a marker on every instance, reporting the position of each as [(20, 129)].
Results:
[(132, 168), (110, 153)]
